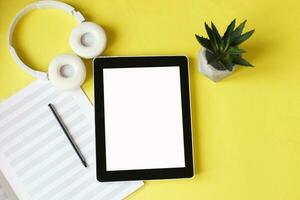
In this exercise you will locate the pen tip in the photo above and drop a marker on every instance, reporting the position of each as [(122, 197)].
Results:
[(84, 163)]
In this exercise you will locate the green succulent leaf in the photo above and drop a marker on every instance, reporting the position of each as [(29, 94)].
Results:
[(242, 38), (212, 38), (227, 62), (227, 34), (214, 59), (229, 30), (235, 51), (238, 31), (217, 64), (209, 56), (216, 34), (227, 42), (241, 61), (204, 42)]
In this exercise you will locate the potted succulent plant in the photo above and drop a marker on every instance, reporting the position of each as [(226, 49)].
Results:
[(220, 54)]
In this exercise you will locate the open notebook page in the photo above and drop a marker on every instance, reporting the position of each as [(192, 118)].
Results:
[(37, 158)]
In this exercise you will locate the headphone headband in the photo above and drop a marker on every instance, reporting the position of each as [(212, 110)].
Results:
[(38, 5)]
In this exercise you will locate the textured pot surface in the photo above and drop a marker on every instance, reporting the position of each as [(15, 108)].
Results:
[(208, 70)]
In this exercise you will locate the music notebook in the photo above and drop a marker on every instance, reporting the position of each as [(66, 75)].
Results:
[(37, 159)]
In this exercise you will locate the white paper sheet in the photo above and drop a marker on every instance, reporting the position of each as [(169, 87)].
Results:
[(35, 155)]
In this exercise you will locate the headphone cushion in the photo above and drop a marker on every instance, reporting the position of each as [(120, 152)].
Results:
[(88, 40), (59, 67)]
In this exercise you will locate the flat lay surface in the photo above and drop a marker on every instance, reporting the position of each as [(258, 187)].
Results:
[(246, 128)]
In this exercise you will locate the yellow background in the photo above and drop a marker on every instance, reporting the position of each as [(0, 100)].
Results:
[(246, 127)]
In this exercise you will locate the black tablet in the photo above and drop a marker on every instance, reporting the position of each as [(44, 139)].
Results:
[(142, 117)]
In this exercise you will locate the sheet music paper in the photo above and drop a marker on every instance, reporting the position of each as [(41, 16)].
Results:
[(37, 158)]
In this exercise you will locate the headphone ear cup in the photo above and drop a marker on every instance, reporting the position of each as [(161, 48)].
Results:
[(67, 72), (88, 40)]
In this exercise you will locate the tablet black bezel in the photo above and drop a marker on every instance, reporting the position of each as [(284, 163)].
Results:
[(143, 174)]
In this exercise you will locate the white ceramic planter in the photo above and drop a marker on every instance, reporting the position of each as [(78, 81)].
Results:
[(208, 70)]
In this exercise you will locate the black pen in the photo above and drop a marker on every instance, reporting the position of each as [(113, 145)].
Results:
[(70, 138)]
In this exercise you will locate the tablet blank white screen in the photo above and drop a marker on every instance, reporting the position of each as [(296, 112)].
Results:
[(143, 118)]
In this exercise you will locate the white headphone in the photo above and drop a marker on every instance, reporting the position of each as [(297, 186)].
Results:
[(66, 71)]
